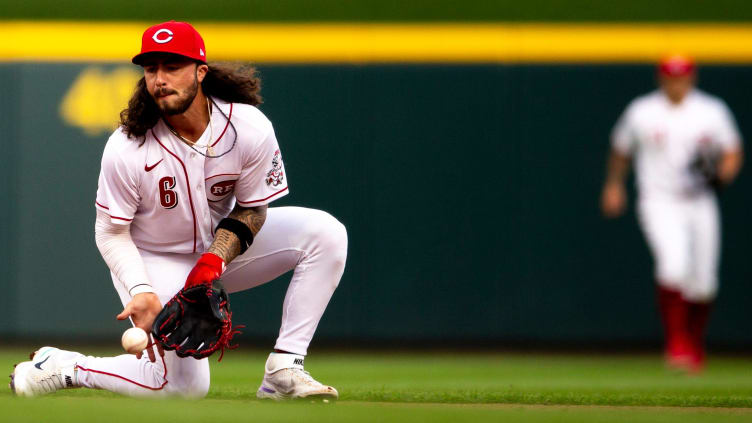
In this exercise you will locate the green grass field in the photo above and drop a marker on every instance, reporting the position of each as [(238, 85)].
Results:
[(430, 387)]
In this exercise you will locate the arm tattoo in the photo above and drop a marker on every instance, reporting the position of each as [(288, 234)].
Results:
[(226, 244)]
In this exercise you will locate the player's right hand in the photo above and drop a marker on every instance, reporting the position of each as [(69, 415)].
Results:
[(208, 268), (142, 309), (613, 200)]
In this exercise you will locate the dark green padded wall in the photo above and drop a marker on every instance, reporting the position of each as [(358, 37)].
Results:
[(470, 194)]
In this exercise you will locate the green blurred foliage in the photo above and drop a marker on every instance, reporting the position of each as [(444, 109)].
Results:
[(383, 11)]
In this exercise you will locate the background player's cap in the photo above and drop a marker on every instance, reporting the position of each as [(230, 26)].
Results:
[(676, 65), (172, 37)]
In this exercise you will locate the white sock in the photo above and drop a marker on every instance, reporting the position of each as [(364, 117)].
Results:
[(279, 361)]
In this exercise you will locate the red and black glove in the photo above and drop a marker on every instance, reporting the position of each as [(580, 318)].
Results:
[(208, 268), (196, 322)]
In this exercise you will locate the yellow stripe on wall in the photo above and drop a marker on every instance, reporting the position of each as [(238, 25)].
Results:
[(390, 43)]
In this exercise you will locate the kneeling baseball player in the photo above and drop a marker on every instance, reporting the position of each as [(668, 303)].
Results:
[(182, 201)]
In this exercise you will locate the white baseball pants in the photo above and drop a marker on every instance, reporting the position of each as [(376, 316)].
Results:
[(310, 242), (684, 238)]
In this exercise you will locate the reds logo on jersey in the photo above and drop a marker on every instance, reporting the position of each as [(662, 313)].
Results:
[(218, 187), (275, 176)]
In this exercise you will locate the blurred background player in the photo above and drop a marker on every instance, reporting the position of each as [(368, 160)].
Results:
[(686, 144)]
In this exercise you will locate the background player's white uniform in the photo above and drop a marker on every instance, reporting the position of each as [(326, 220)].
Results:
[(173, 197), (677, 211)]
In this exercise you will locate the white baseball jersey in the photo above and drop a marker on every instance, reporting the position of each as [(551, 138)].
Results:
[(667, 137), (173, 196)]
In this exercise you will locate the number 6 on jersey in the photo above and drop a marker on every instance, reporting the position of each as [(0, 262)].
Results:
[(167, 197)]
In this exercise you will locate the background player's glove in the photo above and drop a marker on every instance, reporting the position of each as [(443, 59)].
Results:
[(705, 165), (196, 322), (208, 268)]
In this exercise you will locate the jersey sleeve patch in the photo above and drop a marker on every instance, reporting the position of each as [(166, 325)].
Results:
[(263, 178), (276, 175)]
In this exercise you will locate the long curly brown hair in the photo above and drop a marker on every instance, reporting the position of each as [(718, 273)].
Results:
[(230, 82)]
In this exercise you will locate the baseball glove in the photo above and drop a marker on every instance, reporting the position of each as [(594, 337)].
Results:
[(705, 166), (196, 322)]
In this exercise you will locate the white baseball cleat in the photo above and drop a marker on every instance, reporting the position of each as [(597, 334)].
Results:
[(50, 369), (284, 378)]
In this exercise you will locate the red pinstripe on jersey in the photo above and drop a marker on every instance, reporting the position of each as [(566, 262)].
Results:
[(111, 216), (264, 199), (229, 116), (223, 174), (128, 380)]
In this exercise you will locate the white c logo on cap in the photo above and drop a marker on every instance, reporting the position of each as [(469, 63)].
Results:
[(167, 39)]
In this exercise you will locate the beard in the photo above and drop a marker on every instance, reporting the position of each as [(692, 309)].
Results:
[(181, 104)]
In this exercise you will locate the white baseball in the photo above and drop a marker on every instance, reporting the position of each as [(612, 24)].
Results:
[(134, 340)]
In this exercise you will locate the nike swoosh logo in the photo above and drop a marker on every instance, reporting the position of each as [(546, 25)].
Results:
[(149, 168), (39, 365)]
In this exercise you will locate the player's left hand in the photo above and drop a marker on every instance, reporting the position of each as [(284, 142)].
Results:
[(142, 309)]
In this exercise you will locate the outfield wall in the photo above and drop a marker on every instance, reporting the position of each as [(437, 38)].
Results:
[(470, 193)]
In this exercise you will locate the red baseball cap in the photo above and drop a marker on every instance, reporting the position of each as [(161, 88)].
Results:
[(172, 37), (676, 65)]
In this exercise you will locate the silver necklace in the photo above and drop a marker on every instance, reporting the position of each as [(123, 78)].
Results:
[(193, 145)]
